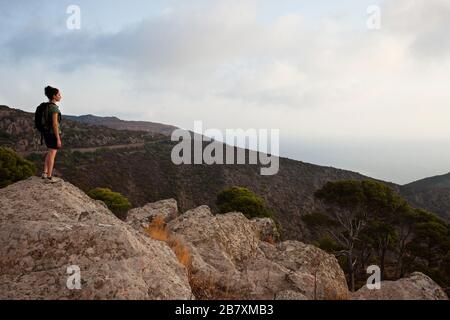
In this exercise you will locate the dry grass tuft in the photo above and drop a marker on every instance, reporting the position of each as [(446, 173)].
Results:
[(203, 288), (157, 229), (271, 240), (181, 251)]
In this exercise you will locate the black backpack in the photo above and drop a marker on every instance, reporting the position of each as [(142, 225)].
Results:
[(41, 120)]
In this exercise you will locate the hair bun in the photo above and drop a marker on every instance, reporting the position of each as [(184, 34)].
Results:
[(50, 92)]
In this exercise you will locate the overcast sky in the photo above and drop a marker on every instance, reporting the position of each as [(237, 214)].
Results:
[(342, 95)]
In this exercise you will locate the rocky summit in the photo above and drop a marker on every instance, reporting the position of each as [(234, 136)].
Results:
[(47, 230)]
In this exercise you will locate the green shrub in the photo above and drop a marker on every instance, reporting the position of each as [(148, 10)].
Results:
[(115, 201), (242, 200), (13, 167), (318, 219), (328, 244)]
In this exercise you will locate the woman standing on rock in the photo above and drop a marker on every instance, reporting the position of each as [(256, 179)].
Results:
[(52, 133)]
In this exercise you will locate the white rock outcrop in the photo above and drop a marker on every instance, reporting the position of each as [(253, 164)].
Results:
[(141, 217), (226, 251), (46, 228)]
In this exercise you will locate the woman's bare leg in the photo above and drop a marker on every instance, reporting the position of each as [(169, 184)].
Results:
[(51, 161), (46, 164)]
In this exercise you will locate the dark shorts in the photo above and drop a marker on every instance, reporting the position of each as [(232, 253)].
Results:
[(51, 141)]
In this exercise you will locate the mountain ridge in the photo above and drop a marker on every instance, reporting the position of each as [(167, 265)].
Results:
[(441, 180), (119, 124), (432, 193)]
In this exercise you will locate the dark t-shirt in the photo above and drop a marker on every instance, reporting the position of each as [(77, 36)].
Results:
[(53, 108)]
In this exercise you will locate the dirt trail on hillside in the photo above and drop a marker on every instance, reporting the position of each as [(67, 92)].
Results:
[(93, 149), (113, 147)]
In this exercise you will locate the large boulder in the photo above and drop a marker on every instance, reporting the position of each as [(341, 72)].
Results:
[(141, 217), (228, 254), (312, 271), (218, 245), (416, 286), (46, 228), (266, 228)]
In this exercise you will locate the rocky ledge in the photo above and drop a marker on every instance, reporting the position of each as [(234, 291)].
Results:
[(47, 228)]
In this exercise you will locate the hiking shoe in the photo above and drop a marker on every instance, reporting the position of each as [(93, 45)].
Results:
[(53, 179), (44, 175)]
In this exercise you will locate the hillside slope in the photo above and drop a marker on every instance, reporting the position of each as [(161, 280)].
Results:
[(146, 173), (431, 193)]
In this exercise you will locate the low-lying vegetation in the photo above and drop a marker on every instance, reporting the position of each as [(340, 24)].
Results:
[(243, 200), (367, 223), (116, 202), (13, 167)]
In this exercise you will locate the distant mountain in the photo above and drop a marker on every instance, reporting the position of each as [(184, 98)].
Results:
[(116, 123), (441, 182), (431, 193)]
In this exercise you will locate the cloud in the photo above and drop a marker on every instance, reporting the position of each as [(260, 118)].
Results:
[(424, 23), (221, 62), (230, 53)]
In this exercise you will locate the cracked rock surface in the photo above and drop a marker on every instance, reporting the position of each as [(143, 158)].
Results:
[(46, 228)]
